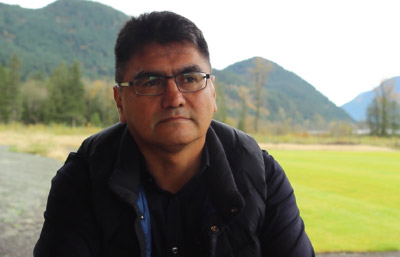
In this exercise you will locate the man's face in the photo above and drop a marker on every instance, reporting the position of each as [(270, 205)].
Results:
[(173, 119)]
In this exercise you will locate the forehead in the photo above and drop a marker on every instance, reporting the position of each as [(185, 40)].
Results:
[(166, 58)]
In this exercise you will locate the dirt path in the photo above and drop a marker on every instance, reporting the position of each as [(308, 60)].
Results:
[(24, 186)]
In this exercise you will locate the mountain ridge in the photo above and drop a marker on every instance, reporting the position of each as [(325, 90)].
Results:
[(286, 95)]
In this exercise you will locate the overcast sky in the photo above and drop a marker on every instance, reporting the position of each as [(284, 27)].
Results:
[(341, 47)]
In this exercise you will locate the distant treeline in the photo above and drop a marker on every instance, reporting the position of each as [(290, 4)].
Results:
[(61, 97)]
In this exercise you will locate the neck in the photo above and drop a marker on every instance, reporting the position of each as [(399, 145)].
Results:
[(172, 168)]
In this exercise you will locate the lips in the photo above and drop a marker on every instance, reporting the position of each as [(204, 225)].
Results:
[(174, 118)]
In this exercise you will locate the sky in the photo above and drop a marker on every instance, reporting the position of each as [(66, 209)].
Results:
[(341, 47)]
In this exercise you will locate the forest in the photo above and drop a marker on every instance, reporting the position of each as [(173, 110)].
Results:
[(61, 97)]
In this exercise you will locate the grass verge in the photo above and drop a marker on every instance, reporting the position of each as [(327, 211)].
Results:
[(349, 200), (55, 141)]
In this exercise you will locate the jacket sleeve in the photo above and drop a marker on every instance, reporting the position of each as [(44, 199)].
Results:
[(283, 231), (68, 229)]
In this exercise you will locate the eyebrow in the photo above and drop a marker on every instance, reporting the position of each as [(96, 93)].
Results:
[(144, 74), (193, 68)]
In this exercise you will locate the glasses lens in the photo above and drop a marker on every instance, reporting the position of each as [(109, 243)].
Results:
[(149, 85), (189, 82)]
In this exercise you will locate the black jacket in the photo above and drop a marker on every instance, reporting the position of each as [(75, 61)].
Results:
[(93, 208)]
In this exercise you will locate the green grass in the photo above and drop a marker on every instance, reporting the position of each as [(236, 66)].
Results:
[(350, 201)]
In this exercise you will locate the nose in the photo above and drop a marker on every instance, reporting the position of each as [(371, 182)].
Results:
[(172, 98)]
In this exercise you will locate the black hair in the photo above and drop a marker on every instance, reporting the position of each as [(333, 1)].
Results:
[(160, 27)]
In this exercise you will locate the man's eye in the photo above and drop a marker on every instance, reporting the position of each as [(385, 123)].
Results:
[(190, 78), (151, 82)]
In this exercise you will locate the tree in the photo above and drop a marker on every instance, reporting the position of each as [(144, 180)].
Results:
[(34, 96), (222, 113), (75, 96), (55, 108), (340, 129), (243, 94), (66, 102), (14, 87), (101, 109), (10, 83), (3, 96), (260, 77), (383, 116)]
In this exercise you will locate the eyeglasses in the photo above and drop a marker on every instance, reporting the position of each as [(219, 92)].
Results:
[(156, 85)]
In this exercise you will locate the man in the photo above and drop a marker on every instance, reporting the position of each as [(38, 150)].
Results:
[(167, 180)]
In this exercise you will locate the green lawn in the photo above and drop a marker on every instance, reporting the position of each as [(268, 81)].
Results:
[(350, 201)]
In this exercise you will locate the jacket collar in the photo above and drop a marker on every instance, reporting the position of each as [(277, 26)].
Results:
[(125, 179), (224, 193)]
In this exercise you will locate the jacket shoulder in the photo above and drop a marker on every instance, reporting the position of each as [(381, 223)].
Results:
[(232, 138), (244, 155), (105, 140)]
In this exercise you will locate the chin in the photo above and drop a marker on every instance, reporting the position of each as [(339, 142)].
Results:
[(179, 140)]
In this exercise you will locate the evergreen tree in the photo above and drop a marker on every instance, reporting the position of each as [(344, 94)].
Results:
[(14, 84), (55, 108), (10, 83), (3, 96), (75, 96), (66, 103)]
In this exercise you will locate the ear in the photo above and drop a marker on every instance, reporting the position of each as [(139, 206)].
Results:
[(118, 102), (214, 94)]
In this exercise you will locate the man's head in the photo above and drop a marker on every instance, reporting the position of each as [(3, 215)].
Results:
[(169, 96), (156, 27)]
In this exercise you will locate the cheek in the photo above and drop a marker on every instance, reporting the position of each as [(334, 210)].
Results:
[(213, 100), (215, 105), (139, 114)]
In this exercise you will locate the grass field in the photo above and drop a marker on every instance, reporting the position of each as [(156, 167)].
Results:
[(350, 200)]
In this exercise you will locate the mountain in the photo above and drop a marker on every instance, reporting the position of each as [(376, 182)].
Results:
[(69, 30), (284, 96), (66, 30), (357, 108)]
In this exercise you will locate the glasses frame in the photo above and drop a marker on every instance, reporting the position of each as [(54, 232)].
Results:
[(132, 84)]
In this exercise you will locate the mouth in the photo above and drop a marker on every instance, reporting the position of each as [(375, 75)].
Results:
[(174, 119)]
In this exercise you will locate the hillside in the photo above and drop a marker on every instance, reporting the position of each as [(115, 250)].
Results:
[(69, 30), (285, 95), (65, 30), (357, 108)]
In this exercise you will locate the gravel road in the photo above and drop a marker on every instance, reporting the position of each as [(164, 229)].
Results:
[(24, 186)]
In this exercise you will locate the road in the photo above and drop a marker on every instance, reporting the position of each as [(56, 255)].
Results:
[(24, 186)]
